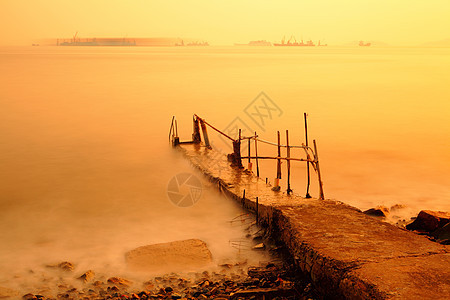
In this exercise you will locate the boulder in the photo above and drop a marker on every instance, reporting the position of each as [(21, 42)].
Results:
[(397, 207), (442, 234), (87, 276), (379, 211), (429, 221), (178, 255), (119, 281), (65, 266)]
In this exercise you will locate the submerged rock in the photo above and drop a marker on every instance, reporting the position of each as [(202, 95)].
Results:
[(379, 211), (177, 255), (429, 221), (119, 281), (87, 276), (442, 235), (65, 266)]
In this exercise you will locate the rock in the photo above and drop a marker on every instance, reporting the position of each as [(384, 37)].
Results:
[(397, 207), (119, 281), (429, 221), (65, 266), (443, 233), (98, 283), (168, 289), (379, 211), (176, 296), (87, 276), (260, 246), (178, 255)]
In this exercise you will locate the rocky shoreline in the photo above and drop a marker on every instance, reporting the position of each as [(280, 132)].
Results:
[(234, 281)]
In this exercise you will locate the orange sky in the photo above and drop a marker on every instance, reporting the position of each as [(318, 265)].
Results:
[(396, 22)]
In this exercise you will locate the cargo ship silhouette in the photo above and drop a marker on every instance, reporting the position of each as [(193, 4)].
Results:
[(76, 41), (289, 43)]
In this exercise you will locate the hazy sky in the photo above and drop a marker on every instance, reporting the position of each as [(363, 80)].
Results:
[(397, 22)]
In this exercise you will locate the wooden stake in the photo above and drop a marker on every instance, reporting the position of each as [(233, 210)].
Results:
[(318, 171), (307, 163), (256, 154), (288, 155), (196, 135), (205, 134), (249, 165), (279, 160)]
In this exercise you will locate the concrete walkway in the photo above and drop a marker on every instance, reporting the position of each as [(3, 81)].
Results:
[(347, 254)]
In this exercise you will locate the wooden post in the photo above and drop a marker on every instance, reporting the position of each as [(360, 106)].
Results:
[(256, 155), (288, 155), (176, 128), (307, 163), (243, 198), (205, 134), (276, 185), (196, 138), (172, 130), (236, 155), (318, 171), (249, 166)]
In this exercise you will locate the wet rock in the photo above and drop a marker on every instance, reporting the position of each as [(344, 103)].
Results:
[(429, 221), (87, 276), (379, 211), (98, 283), (442, 235), (28, 296), (398, 207), (260, 246), (176, 296), (119, 281), (65, 266), (177, 255)]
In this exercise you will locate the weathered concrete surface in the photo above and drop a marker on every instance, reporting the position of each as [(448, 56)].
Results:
[(178, 255), (346, 253)]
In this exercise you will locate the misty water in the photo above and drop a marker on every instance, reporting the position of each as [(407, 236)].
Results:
[(85, 160)]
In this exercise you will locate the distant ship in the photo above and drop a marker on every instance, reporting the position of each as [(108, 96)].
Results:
[(182, 44), (75, 41), (289, 43), (256, 43), (362, 44), (321, 45)]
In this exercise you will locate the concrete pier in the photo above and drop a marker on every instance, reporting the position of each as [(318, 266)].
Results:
[(347, 254)]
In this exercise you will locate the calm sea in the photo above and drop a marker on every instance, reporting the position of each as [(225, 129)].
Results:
[(84, 153)]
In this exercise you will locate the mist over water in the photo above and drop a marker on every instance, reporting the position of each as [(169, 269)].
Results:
[(85, 160)]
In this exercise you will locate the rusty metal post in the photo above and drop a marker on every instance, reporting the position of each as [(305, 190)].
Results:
[(316, 154), (288, 155), (205, 134), (196, 138), (256, 155)]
